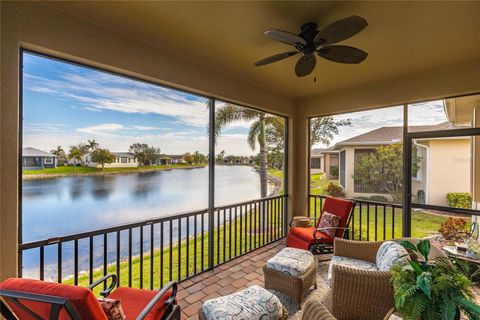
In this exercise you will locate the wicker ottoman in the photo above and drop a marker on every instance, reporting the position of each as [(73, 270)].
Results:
[(252, 303), (291, 271)]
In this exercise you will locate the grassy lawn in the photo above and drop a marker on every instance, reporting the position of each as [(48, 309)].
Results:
[(318, 183), (228, 233), (70, 170)]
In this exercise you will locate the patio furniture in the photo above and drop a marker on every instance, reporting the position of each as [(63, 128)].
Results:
[(291, 271), (252, 303), (35, 299), (315, 309), (360, 271), (320, 239)]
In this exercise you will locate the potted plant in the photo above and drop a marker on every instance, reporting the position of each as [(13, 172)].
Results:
[(432, 289)]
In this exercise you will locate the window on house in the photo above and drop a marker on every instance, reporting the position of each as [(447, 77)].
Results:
[(48, 160)]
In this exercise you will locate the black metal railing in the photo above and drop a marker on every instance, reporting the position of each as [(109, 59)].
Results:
[(153, 252), (370, 220)]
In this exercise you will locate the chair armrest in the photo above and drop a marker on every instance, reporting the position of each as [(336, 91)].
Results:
[(351, 285), (107, 291), (361, 250), (168, 303), (314, 309)]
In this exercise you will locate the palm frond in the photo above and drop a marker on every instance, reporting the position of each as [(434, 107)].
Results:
[(229, 113), (253, 134)]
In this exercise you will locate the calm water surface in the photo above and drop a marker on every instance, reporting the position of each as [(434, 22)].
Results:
[(62, 206)]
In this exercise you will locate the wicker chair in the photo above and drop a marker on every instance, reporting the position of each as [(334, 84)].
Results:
[(366, 294), (314, 309)]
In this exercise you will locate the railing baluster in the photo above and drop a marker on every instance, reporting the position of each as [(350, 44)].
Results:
[(203, 238), (130, 257), (235, 233), (75, 262), (105, 258), (195, 245), (250, 214), (314, 208), (179, 246), (152, 244), (59, 262), (224, 235), (187, 253), (218, 237), (141, 257), (368, 222), (90, 259), (170, 276), (384, 222), (245, 210), (230, 245), (118, 258), (42, 262), (241, 229), (161, 253), (360, 221), (376, 222), (393, 222)]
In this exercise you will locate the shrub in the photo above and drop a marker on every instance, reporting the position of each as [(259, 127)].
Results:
[(334, 171), (459, 200), (379, 198), (334, 191), (361, 198), (454, 229)]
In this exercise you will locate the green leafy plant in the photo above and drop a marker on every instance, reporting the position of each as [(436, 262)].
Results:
[(454, 229), (459, 200), (334, 191), (432, 290)]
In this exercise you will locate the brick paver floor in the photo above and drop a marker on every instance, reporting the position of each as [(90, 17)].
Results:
[(232, 276)]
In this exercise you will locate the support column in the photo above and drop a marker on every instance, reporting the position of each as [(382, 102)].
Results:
[(476, 168), (300, 165)]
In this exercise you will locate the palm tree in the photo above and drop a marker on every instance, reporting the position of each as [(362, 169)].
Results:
[(229, 113), (92, 145), (76, 154), (60, 153)]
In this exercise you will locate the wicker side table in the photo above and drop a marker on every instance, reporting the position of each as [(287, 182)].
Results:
[(301, 221)]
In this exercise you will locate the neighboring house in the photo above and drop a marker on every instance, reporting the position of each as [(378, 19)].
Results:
[(35, 159), (177, 159), (324, 161), (122, 160), (165, 160), (445, 163)]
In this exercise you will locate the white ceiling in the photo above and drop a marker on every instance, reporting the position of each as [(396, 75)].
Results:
[(403, 38)]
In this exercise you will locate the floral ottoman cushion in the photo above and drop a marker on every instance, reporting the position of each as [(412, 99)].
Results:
[(252, 303), (292, 261), (348, 262), (390, 253)]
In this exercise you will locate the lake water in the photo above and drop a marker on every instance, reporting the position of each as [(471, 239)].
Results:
[(67, 205)]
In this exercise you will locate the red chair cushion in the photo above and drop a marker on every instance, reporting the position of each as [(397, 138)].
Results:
[(133, 301), (302, 238), (82, 299)]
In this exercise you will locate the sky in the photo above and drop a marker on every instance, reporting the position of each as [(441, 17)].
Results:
[(427, 113), (65, 104)]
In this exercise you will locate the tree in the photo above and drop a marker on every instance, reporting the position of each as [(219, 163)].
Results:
[(60, 153), (92, 145), (199, 157), (220, 156), (188, 158), (384, 168), (144, 153), (324, 129), (229, 113), (102, 156), (76, 155), (83, 148)]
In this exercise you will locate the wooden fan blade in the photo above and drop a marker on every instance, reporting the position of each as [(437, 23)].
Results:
[(275, 58), (342, 54), (285, 37), (340, 30), (305, 65)]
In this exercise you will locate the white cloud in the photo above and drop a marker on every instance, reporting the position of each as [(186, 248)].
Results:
[(145, 128), (101, 129)]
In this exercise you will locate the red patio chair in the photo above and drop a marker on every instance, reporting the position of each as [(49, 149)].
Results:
[(313, 238), (34, 299)]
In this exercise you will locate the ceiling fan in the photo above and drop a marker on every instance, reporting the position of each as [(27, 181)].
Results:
[(310, 41)]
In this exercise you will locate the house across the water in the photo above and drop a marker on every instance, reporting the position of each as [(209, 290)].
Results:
[(324, 161), (35, 159)]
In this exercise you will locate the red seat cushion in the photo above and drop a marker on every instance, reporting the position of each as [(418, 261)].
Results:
[(82, 299), (302, 238), (339, 207), (133, 301)]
